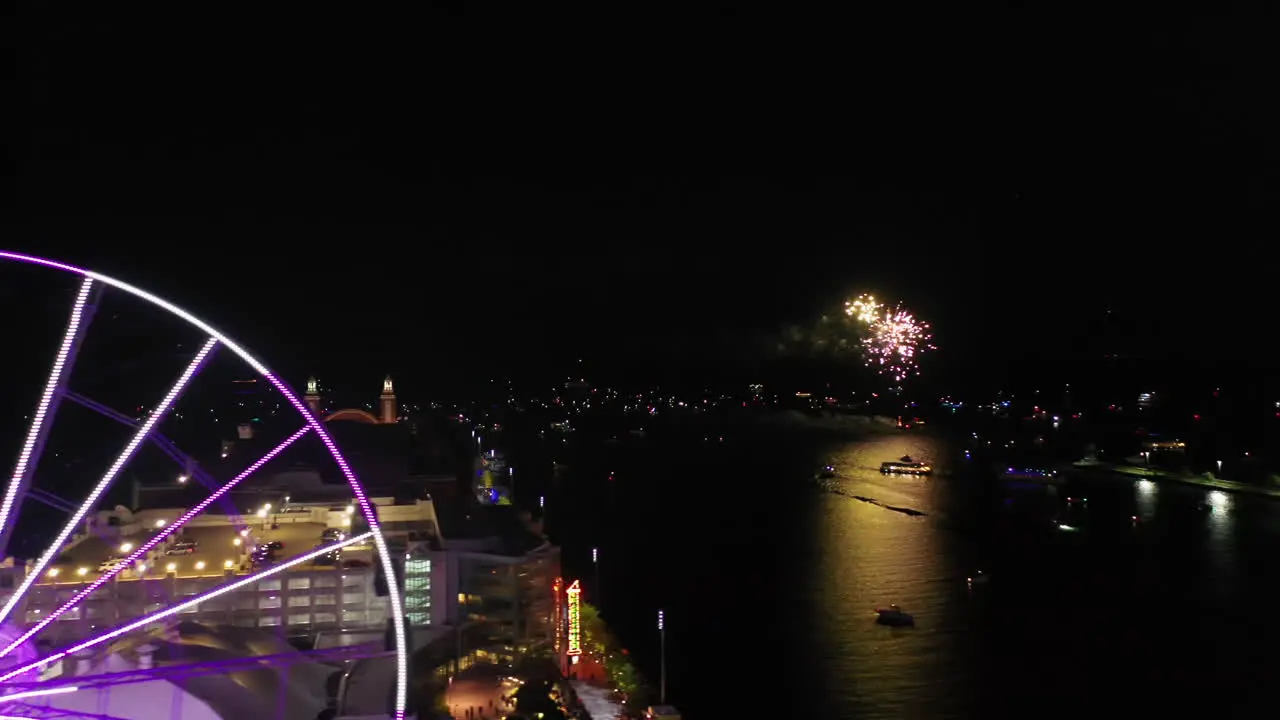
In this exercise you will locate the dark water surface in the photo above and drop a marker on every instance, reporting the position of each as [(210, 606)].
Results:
[(769, 577)]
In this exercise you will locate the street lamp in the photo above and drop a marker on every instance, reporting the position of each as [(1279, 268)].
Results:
[(662, 651), (595, 562), (1219, 469)]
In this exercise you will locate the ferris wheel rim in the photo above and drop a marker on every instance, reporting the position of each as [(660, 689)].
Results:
[(312, 422)]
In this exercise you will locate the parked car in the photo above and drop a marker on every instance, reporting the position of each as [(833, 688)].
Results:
[(109, 565), (186, 547)]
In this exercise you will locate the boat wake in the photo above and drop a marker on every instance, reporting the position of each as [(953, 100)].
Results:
[(834, 489)]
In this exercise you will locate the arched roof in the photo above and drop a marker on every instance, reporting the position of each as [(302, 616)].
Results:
[(353, 415)]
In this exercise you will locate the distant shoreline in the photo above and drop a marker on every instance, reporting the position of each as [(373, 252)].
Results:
[(1130, 472), (849, 424)]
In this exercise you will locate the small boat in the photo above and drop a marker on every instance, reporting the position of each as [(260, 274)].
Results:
[(894, 616), (827, 472), (979, 578), (906, 468)]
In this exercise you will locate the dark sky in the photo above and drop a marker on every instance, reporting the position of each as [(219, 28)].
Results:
[(442, 192)]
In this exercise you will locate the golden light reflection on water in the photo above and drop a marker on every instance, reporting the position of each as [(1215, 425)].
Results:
[(874, 556)]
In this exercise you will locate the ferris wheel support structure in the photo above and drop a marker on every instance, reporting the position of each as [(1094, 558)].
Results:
[(22, 475)]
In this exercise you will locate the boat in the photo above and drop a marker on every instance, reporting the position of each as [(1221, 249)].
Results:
[(906, 468), (894, 616), (827, 472), (906, 458), (979, 578)]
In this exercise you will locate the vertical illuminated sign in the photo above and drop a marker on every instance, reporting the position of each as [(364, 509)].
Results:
[(559, 616), (575, 618)]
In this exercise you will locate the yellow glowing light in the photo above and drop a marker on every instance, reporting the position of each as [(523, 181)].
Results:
[(53, 572), (575, 618), (82, 571), (171, 567), (864, 308), (228, 564), (200, 565)]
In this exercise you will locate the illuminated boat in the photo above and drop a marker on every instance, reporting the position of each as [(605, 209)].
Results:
[(894, 616), (826, 473), (906, 468)]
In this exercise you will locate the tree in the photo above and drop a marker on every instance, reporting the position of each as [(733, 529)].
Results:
[(534, 700), (596, 638), (537, 668)]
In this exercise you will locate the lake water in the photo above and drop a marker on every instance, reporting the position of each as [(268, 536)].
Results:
[(769, 578)]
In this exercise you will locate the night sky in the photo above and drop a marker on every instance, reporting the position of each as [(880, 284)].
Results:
[(451, 195)]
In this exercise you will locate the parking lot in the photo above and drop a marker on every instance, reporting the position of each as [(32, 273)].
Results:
[(217, 550)]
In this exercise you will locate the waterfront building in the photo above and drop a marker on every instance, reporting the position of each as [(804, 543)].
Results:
[(477, 565)]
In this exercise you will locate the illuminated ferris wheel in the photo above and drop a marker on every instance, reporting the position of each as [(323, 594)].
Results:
[(29, 662)]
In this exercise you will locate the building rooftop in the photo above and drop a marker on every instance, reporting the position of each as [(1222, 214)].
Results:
[(510, 528), (392, 460)]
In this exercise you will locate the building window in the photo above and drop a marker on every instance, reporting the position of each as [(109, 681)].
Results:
[(301, 583), (299, 601), (269, 603)]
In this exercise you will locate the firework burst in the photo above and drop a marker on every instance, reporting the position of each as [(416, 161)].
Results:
[(894, 338)]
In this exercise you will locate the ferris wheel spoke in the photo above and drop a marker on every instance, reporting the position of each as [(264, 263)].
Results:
[(141, 552), (158, 414), (190, 467), (42, 420), (172, 610)]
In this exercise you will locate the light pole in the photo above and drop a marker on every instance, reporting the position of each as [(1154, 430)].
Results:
[(595, 562), (1219, 469), (662, 654)]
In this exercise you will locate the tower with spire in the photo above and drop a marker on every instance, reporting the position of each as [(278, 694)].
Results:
[(313, 394), (388, 399)]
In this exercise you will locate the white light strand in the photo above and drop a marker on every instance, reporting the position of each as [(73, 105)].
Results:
[(125, 456), (170, 611), (37, 693), (46, 400), (261, 368)]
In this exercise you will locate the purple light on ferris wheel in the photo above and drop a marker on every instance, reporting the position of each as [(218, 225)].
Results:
[(187, 604), (397, 605), (122, 459), (366, 508), (25, 456), (159, 538)]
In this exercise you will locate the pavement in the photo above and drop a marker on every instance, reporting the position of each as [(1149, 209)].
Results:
[(596, 700), (216, 551), (475, 698)]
